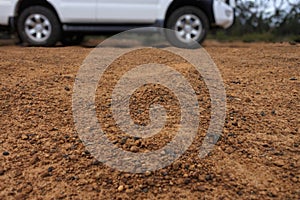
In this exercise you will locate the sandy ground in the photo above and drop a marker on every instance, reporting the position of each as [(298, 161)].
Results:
[(258, 156)]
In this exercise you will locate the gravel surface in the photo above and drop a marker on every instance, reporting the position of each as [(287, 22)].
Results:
[(257, 157)]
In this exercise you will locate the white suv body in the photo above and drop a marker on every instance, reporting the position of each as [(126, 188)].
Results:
[(88, 16)]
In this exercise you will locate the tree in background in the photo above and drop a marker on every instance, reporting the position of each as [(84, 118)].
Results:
[(274, 18)]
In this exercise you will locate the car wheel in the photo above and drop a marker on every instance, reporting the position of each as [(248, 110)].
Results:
[(72, 39), (39, 26), (189, 25)]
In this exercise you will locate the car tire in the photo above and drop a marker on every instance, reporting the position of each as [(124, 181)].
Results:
[(39, 26), (72, 39), (189, 27)]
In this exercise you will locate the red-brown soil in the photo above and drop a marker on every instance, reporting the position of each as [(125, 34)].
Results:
[(257, 157)]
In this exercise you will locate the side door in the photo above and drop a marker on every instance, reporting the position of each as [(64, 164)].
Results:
[(76, 11), (127, 11)]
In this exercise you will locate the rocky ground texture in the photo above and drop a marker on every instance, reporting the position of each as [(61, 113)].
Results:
[(257, 157)]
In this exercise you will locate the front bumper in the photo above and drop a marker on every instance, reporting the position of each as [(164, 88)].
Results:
[(224, 13)]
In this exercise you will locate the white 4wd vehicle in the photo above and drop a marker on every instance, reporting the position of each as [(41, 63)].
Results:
[(45, 22)]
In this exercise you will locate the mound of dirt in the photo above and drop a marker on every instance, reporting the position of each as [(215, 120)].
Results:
[(257, 157)]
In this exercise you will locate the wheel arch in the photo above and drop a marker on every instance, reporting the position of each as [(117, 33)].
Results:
[(205, 6), (23, 4)]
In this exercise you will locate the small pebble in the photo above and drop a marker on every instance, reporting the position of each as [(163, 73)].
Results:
[(73, 178), (201, 188), (67, 88), (164, 173), (134, 149), (187, 181), (248, 100), (208, 177), (279, 163), (123, 140), (294, 179), (50, 169), (129, 190), (5, 153), (96, 162), (234, 123), (272, 194), (24, 137), (138, 143), (232, 135), (148, 173), (293, 79), (120, 188)]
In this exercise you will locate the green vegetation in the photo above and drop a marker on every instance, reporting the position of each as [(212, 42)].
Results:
[(261, 20), (224, 36)]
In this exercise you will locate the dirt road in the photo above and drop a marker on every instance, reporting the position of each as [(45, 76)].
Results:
[(258, 156)]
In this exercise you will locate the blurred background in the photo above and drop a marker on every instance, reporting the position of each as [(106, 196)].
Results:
[(263, 20)]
